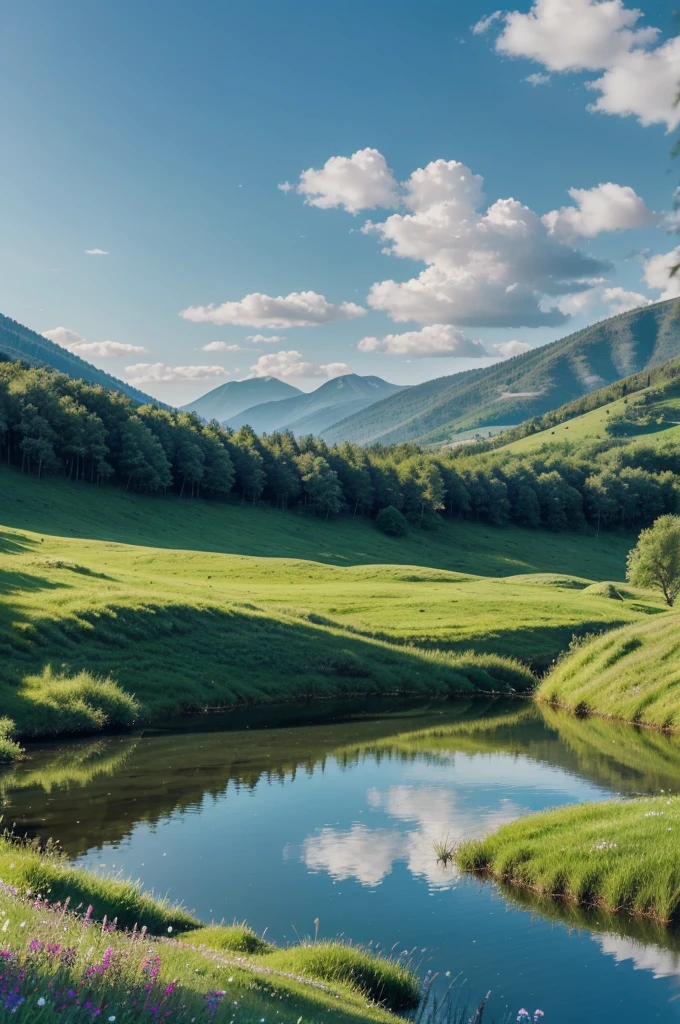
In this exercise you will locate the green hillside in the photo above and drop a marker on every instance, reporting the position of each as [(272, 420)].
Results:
[(651, 415), (179, 619), (19, 342), (525, 386)]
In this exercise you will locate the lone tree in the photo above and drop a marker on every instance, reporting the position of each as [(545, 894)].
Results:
[(655, 559)]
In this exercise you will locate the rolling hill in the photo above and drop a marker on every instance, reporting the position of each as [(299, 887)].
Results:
[(229, 399), (19, 342), (525, 386), (317, 411)]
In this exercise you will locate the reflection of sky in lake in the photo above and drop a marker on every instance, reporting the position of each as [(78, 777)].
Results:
[(352, 845), (427, 809)]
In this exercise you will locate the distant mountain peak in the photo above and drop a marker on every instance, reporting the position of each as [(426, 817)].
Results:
[(231, 398)]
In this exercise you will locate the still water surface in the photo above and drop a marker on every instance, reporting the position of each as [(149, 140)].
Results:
[(332, 815)]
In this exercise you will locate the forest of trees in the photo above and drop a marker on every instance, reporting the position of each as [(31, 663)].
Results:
[(51, 424)]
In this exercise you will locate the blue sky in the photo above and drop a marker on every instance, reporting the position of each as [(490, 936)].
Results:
[(160, 132)]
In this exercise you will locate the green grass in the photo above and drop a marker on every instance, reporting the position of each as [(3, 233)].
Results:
[(99, 634), (631, 673), (10, 750), (620, 856), (56, 508), (592, 426), (251, 986)]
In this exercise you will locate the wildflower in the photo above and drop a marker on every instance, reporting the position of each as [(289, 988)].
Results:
[(5, 925), (538, 1014), (523, 1015), (35, 945), (169, 929), (112, 1020), (41, 1001)]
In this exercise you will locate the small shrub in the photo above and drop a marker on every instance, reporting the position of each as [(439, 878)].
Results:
[(77, 704), (391, 522), (10, 750), (383, 980), (235, 938)]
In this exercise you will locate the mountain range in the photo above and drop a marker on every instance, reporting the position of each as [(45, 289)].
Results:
[(19, 342), (230, 399), (524, 386), (317, 411)]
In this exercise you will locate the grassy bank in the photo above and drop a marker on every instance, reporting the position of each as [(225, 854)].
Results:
[(55, 952), (622, 857), (631, 673)]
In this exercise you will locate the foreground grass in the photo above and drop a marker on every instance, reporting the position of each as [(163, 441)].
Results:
[(620, 856), (631, 673), (199, 961)]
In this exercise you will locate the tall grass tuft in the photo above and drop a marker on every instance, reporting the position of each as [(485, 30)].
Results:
[(75, 704), (389, 982), (10, 750)]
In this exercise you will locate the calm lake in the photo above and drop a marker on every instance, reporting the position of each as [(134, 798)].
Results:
[(294, 814)]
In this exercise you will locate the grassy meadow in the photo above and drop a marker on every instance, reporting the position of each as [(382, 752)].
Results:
[(101, 632), (620, 856)]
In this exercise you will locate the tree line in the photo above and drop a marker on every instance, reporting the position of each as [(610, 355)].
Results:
[(52, 424)]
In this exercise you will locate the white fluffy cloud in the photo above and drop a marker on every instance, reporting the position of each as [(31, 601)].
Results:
[(160, 373), (362, 181), (611, 300), (507, 349), (640, 74), (620, 300), (657, 274), (500, 267), (265, 339), (291, 364), (222, 346), (96, 252), (435, 340), (299, 309), (537, 78), (606, 207), (75, 343)]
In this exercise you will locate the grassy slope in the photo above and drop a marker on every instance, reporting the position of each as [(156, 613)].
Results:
[(591, 426), (186, 629), (632, 673), (620, 856), (253, 973), (59, 508)]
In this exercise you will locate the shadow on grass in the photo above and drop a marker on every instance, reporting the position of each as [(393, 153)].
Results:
[(534, 644), (12, 582), (15, 544)]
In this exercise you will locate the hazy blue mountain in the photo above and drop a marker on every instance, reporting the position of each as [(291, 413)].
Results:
[(230, 399), (316, 411), (19, 342), (525, 386)]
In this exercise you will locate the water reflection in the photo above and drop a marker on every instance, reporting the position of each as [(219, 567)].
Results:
[(333, 814)]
